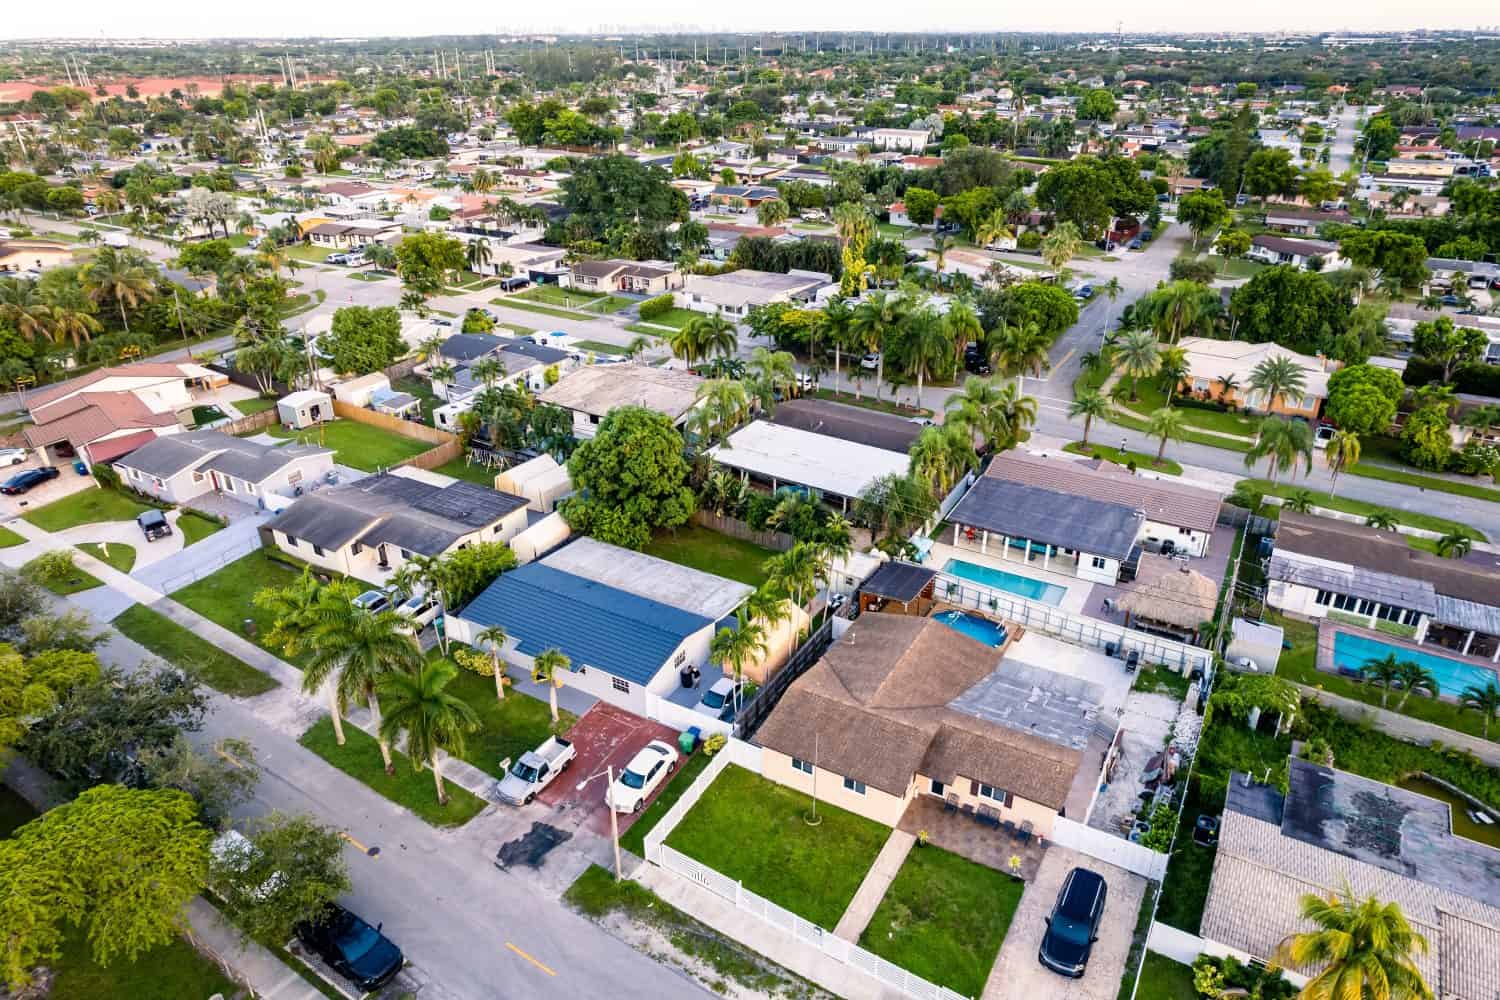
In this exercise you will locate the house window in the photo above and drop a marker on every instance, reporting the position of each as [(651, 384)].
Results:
[(620, 685), (496, 529), (938, 788), (999, 795), (857, 787), (290, 541), (1097, 562), (407, 555), (798, 764), (250, 488), (357, 549), (1323, 598), (1184, 531), (317, 550)]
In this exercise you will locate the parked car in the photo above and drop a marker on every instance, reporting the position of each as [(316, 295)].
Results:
[(651, 766), (870, 362), (373, 600), (720, 700), (1136, 244), (977, 364), (13, 456), (153, 524), (1073, 926), (440, 321), (354, 949), (1147, 236), (422, 610), (23, 481), (535, 770), (1083, 292)]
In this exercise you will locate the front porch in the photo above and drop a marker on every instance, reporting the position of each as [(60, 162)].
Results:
[(979, 842)]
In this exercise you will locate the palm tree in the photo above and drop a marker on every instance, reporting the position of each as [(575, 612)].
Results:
[(1181, 307), (495, 637), (928, 346), (1138, 355), (1061, 245), (359, 647), (941, 454), (878, 318), (1167, 424), (548, 668), (1019, 350), (1301, 501), (834, 326), (835, 541), (796, 571), (1227, 384), (478, 254), (22, 307), (993, 228), (1455, 544), (1089, 404), (1277, 378), (1383, 673), (1284, 443), (702, 337), (121, 277), (1174, 368), (639, 345), (1342, 452), (1413, 678), (432, 571), (71, 322), (771, 212), (851, 219), (965, 327), (291, 610), (724, 405), (1382, 519), (775, 371), (1484, 700), (433, 720), (1362, 949), (736, 648)]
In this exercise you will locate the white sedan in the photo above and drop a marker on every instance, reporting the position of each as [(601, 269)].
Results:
[(643, 775), (13, 456)]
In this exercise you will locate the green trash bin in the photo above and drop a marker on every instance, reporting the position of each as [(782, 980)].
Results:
[(687, 740)]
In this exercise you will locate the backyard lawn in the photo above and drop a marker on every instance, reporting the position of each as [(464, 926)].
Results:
[(506, 728), (180, 646), (195, 527), (1164, 979), (85, 507), (253, 405), (756, 831), (117, 556), (9, 539), (944, 918), (359, 446), (421, 388), (462, 468), (225, 596), (712, 552), (634, 839), (359, 758)]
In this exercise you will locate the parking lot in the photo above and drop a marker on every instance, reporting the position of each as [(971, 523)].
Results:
[(604, 736)]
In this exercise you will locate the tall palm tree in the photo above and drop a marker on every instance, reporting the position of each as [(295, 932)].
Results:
[(1089, 404), (734, 649), (1284, 444), (1277, 379), (1180, 308), (964, 326), (851, 218), (875, 320), (548, 668), (1017, 413), (359, 647), (1168, 425), (1484, 700), (1342, 451), (291, 610), (929, 347), (977, 407), (1174, 368), (702, 337), (834, 325), (117, 276), (835, 541), (495, 637), (774, 371), (1061, 245), (1138, 355), (1362, 949), (22, 307), (796, 571), (993, 228), (1019, 350), (1455, 544), (1414, 678), (73, 322), (433, 573), (1384, 673), (478, 254), (723, 405), (419, 706), (941, 454)]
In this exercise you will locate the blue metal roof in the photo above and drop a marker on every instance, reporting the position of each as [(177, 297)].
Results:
[(594, 624)]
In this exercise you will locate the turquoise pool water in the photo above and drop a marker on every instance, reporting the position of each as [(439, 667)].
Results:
[(1352, 652), (998, 579), (974, 626)]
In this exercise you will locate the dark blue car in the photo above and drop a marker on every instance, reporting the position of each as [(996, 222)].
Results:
[(1074, 925), (352, 947), (23, 481)]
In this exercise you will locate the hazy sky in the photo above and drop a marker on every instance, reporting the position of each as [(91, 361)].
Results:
[(284, 18)]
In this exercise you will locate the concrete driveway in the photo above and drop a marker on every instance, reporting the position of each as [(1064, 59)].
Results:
[(67, 482), (1017, 975)]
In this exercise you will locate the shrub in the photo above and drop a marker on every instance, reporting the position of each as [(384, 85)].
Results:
[(473, 660), (54, 566), (659, 306), (106, 476), (714, 744), (1029, 240)]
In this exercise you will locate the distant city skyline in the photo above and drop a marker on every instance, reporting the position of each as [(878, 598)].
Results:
[(181, 19)]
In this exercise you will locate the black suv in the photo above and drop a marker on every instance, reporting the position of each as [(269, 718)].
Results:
[(974, 360), (352, 947), (1071, 930), (154, 524)]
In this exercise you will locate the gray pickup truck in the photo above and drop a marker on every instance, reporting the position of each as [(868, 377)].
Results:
[(535, 771)]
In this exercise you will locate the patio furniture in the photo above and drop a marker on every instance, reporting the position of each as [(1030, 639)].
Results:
[(988, 816), (950, 803), (1009, 828), (1024, 836), (967, 810)]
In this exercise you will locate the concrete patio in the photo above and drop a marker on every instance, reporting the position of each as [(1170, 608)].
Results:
[(968, 838)]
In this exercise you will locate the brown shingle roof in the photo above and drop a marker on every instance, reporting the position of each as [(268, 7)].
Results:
[(1169, 503), (876, 708)]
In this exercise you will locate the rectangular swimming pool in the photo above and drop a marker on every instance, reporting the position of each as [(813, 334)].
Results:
[(1352, 652), (998, 579), (974, 626)]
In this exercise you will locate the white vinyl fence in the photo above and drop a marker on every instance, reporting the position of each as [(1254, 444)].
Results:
[(1109, 848), (1079, 629), (681, 717)]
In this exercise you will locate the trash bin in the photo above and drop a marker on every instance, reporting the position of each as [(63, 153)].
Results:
[(687, 740)]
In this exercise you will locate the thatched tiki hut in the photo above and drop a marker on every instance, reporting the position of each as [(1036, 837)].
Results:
[(1169, 597)]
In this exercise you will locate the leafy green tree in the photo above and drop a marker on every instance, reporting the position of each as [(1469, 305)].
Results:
[(31, 688), (606, 191), (1097, 105), (1047, 307), (1363, 398), (467, 571), (218, 779), (286, 871), (364, 339), (425, 260), (1232, 244), (1270, 171), (894, 505), (1425, 441), (1400, 258), (631, 479), (1294, 308), (921, 205), (1203, 211), (419, 707), (1440, 342)]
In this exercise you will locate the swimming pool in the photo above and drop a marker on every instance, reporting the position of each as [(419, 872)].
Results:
[(998, 579), (1352, 652), (974, 626)]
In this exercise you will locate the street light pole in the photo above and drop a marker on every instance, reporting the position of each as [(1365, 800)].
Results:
[(608, 774)]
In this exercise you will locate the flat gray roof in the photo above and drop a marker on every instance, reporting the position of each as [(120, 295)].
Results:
[(1043, 703), (668, 583)]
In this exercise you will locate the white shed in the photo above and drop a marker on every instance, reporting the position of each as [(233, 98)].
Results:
[(304, 408), (359, 390), (541, 480)]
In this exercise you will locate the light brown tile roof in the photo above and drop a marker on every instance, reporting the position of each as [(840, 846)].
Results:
[(876, 708), (1169, 503), (90, 416)]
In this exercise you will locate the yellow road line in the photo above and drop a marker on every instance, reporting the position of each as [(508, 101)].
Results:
[(1064, 359), (528, 958)]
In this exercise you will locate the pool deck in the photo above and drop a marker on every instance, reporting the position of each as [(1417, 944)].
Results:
[(1327, 630), (1075, 598)]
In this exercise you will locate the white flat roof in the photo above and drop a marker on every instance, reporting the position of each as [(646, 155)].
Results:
[(647, 576), (803, 458)]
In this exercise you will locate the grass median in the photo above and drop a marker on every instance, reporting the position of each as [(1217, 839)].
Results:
[(180, 646)]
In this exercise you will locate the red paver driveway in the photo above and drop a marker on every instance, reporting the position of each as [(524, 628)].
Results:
[(604, 736)]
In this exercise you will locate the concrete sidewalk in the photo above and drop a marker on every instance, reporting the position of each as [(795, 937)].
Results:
[(872, 890), (248, 961)]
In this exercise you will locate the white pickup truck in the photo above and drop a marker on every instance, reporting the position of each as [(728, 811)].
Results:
[(535, 771)]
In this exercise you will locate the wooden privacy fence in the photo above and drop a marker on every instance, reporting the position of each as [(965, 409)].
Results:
[(447, 447), (254, 422), (777, 541)]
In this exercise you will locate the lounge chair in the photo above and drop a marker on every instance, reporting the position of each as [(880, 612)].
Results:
[(1024, 836), (950, 803)]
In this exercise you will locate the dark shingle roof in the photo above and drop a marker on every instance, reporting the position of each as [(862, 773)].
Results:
[(1046, 516), (898, 581), (470, 346), (595, 625), (848, 423)]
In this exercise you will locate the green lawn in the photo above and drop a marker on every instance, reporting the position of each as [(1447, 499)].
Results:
[(712, 552), (9, 539), (944, 918), (225, 596), (308, 252), (598, 347), (675, 318), (194, 527), (572, 298), (461, 468), (892, 232), (78, 580), (507, 728), (1115, 455), (359, 446), (86, 507), (254, 405), (178, 645), (117, 556), (756, 831), (1153, 397), (1412, 519), (359, 758), (514, 303), (1123, 416), (1164, 979), (1389, 475), (634, 839)]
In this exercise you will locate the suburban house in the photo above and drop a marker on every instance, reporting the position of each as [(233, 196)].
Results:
[(352, 235), (107, 413), (368, 528), (898, 216), (910, 140), (348, 192), (750, 195), (1332, 830), (1221, 370), (527, 261), (592, 391), (1303, 221), (183, 466), (1324, 568), (640, 277), (1269, 248), (774, 456), (734, 293), (848, 423), (902, 707), (17, 256)]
